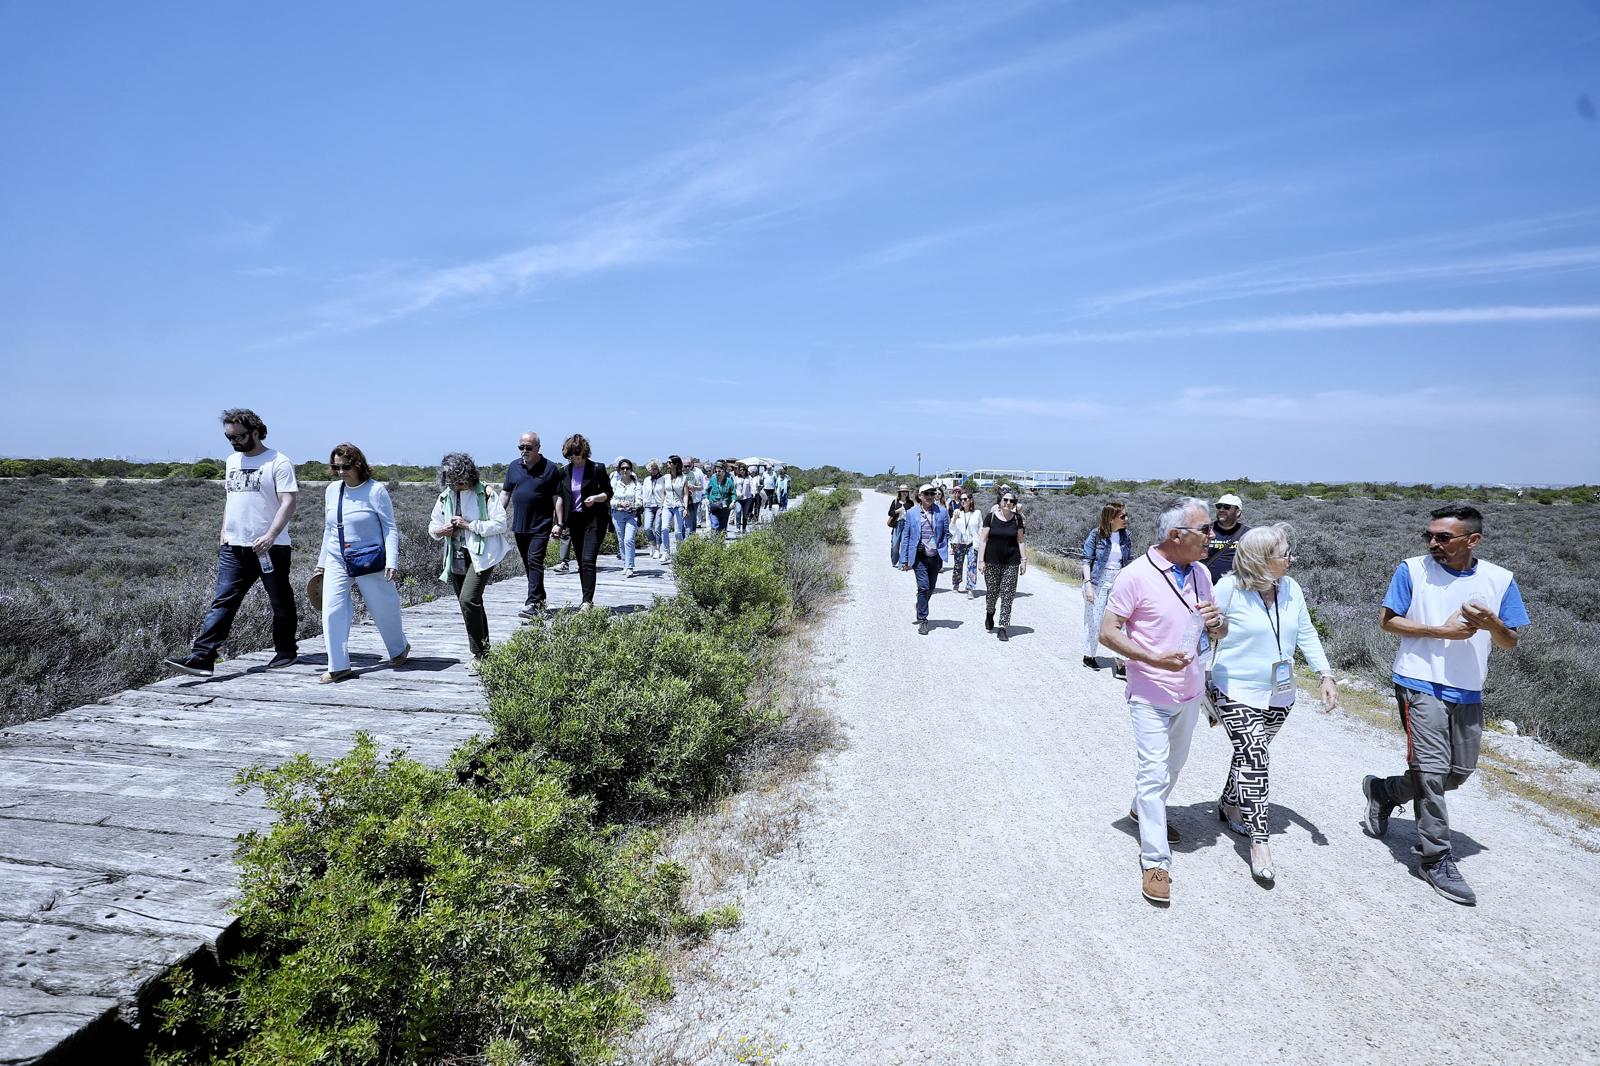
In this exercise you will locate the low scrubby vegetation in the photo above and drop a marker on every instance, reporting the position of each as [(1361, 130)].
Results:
[(99, 582), (508, 908), (1346, 550)]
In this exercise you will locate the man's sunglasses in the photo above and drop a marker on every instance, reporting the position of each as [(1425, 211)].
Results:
[(1430, 537), (339, 468), (525, 447), (238, 438), (1196, 529)]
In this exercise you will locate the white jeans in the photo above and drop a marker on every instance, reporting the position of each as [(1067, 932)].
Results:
[(1161, 735), (1093, 611), (383, 603)]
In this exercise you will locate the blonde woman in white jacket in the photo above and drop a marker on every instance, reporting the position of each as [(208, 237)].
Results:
[(471, 522)]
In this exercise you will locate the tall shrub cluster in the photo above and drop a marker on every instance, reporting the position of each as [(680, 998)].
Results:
[(504, 908)]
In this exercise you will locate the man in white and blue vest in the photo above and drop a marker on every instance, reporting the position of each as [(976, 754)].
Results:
[(1447, 607)]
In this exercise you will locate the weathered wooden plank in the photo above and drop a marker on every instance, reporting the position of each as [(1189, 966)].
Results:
[(119, 850), (178, 784), (137, 903), (66, 961), (221, 820), (34, 1023)]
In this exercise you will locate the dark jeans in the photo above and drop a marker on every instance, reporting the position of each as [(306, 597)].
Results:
[(238, 569), (719, 518), (469, 594), (587, 534), (927, 569), (532, 546)]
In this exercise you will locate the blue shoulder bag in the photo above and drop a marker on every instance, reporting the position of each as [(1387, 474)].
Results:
[(367, 559)]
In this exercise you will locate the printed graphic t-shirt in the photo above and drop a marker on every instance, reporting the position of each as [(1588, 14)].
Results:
[(254, 483)]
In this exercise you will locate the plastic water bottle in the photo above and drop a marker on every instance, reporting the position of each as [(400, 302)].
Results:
[(1191, 634), (265, 558)]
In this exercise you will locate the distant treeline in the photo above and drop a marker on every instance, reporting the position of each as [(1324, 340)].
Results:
[(1325, 490), (801, 479)]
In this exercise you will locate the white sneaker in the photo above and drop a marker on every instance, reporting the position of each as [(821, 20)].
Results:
[(627, 571)]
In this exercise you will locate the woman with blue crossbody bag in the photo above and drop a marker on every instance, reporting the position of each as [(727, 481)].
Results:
[(360, 549)]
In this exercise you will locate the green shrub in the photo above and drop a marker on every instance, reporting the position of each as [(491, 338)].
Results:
[(639, 712), (396, 916), (741, 581)]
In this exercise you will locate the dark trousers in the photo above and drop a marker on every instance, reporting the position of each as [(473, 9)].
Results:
[(927, 569), (469, 594), (238, 569), (588, 531), (1442, 743), (532, 546)]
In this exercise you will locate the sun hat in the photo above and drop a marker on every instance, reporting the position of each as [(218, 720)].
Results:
[(314, 590), (925, 488), (1230, 500)]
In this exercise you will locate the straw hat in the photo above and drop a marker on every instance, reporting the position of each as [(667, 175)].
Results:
[(314, 590)]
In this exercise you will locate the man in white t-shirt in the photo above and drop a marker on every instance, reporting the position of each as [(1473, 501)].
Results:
[(254, 545)]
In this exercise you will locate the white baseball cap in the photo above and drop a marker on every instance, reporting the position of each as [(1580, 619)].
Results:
[(1230, 500)]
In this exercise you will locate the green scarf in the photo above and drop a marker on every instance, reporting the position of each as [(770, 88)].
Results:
[(448, 498)]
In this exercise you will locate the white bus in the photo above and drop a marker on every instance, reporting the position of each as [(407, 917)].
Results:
[(988, 478), (1053, 479)]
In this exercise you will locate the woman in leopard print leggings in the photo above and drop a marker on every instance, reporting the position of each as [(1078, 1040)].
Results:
[(1000, 546)]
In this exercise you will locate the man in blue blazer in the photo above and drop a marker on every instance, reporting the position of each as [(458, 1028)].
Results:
[(924, 546)]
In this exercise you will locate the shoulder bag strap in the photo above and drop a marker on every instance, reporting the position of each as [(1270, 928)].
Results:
[(339, 521)]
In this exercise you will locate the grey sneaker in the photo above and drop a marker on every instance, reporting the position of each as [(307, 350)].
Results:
[(195, 665), (1376, 820), (1446, 880), (922, 626)]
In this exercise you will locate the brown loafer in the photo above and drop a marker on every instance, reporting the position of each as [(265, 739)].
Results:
[(1172, 833), (1156, 884), (399, 660)]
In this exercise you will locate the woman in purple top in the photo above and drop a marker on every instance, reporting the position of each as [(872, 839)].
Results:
[(583, 509)]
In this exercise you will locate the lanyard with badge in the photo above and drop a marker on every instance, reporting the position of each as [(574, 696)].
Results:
[(1283, 669)]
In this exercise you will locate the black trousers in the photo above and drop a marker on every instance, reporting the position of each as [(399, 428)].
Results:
[(588, 531), (532, 546)]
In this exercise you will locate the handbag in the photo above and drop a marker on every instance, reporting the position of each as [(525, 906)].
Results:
[(367, 559)]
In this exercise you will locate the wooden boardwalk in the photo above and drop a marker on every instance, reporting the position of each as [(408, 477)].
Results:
[(117, 820)]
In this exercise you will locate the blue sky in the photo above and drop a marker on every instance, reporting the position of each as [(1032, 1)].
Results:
[(1263, 239)]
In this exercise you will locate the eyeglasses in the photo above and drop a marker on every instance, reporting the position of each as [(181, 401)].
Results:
[(1008, 499), (1430, 537), (339, 468), (238, 438), (1206, 529), (525, 447)]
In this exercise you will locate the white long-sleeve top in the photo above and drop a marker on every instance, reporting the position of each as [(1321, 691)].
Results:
[(1243, 669), (627, 495), (964, 526), (368, 519), (490, 524)]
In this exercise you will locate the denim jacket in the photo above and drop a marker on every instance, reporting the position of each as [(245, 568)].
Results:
[(912, 537), (1097, 551)]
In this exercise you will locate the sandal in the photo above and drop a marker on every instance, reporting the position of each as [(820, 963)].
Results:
[(335, 675)]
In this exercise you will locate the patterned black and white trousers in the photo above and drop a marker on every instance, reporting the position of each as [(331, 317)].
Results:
[(1000, 583), (1250, 729)]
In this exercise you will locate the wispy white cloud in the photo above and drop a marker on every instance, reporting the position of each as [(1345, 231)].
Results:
[(756, 152), (1318, 272), (1443, 316)]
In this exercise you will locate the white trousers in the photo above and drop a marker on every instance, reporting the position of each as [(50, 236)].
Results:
[(383, 603), (1161, 735)]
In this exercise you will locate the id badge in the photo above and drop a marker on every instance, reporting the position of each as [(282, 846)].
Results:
[(1282, 683)]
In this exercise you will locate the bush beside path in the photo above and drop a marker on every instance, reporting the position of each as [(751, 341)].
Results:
[(965, 886)]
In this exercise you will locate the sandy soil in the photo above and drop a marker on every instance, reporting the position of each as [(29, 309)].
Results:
[(963, 887)]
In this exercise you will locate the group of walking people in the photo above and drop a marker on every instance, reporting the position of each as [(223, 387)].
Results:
[(476, 526), (1208, 622)]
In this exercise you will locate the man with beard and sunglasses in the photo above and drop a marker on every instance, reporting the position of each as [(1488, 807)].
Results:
[(254, 545), (1448, 608)]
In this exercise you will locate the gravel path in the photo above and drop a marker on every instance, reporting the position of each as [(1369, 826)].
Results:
[(965, 887)]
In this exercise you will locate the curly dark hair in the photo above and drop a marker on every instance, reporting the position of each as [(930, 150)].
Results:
[(243, 416), (351, 454), (576, 445), (457, 468)]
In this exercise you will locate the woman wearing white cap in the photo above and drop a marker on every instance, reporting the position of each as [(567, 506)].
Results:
[(1225, 534)]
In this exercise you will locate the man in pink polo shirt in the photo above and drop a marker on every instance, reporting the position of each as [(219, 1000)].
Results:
[(1154, 618)]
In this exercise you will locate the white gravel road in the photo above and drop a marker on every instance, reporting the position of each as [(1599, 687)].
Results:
[(964, 887)]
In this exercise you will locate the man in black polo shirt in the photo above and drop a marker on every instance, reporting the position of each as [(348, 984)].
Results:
[(1225, 534), (529, 496)]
